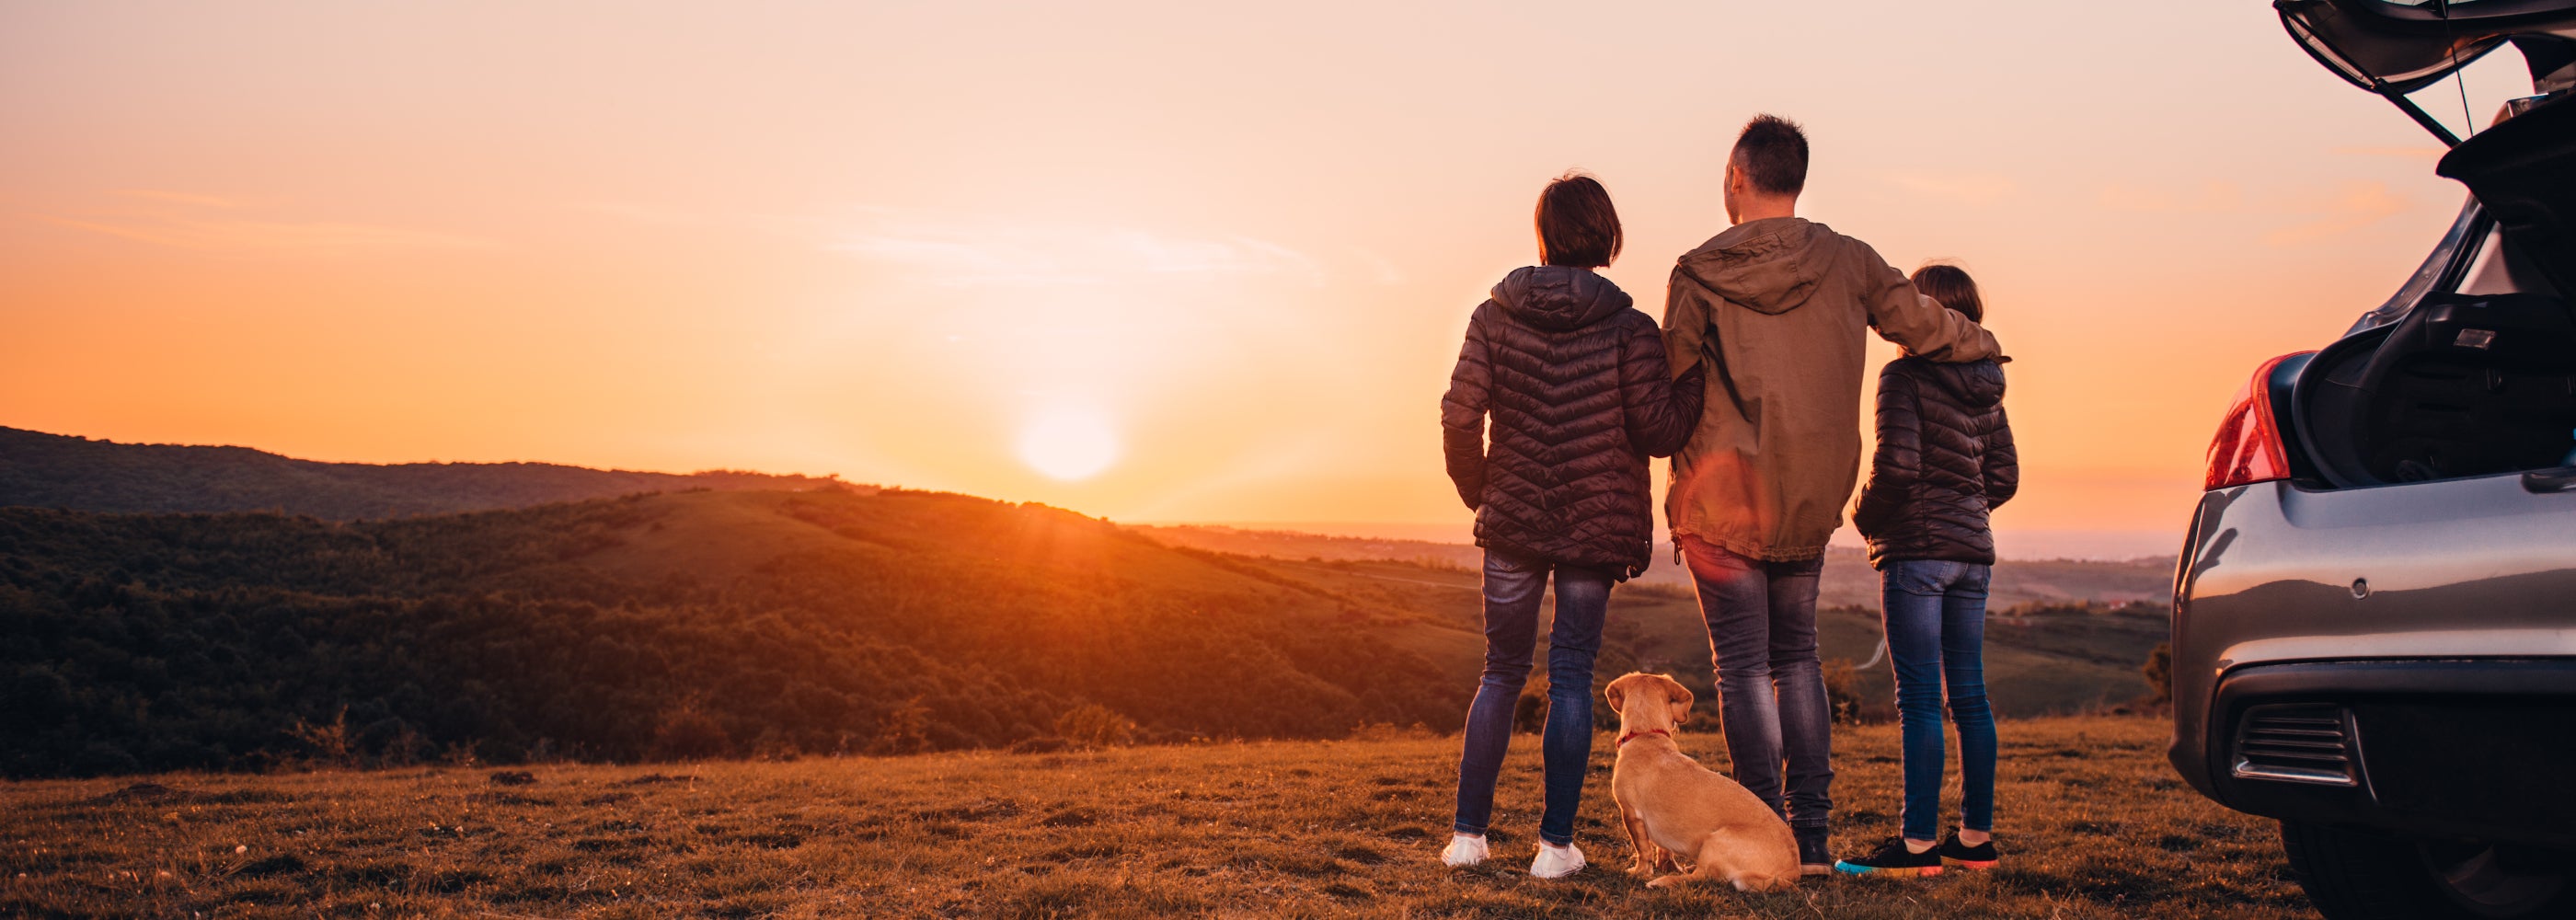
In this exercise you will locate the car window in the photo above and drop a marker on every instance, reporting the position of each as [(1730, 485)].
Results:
[(2478, 95), (2498, 269), (2440, 270)]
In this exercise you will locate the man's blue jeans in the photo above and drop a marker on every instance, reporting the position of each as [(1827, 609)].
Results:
[(1936, 635), (1770, 689), (1513, 586)]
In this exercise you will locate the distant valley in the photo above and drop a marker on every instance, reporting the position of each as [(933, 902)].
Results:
[(1848, 579)]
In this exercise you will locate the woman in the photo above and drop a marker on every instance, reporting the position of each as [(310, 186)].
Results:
[(1580, 395), (1945, 458)]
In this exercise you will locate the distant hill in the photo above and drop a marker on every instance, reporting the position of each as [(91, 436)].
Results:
[(1848, 579), (673, 625), (58, 471)]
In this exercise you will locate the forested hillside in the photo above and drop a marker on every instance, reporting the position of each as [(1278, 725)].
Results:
[(669, 625), (57, 471)]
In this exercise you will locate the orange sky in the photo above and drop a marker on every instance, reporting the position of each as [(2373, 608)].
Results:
[(886, 241)]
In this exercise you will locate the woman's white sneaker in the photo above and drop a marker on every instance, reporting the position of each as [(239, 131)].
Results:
[(1464, 850), (1556, 861)]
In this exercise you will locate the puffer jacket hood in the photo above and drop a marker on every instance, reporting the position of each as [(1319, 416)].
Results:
[(1558, 297), (1945, 461), (1767, 266), (1574, 384), (1976, 386)]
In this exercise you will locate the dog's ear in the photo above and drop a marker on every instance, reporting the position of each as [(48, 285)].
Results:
[(1679, 695), (1615, 693)]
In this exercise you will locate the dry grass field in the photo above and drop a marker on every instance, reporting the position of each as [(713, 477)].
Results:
[(2092, 825)]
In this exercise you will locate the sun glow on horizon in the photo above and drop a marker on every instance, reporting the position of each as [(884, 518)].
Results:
[(1069, 444)]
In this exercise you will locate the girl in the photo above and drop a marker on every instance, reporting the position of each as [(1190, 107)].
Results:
[(1580, 395), (1945, 459)]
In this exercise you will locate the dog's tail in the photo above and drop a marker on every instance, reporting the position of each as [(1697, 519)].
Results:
[(1765, 883)]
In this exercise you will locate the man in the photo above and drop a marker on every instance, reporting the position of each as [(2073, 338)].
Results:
[(1776, 306)]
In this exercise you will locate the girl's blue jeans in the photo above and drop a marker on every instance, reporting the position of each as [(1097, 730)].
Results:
[(1936, 634), (1513, 587)]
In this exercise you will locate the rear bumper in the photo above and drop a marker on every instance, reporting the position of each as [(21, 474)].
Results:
[(2481, 749)]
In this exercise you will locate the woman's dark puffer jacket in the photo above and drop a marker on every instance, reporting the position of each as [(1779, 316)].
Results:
[(1580, 395), (1945, 458)]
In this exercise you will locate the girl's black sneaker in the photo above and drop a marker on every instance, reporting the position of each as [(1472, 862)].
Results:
[(1980, 857), (1893, 858)]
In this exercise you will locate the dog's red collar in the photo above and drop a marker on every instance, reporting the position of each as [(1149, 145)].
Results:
[(1623, 739)]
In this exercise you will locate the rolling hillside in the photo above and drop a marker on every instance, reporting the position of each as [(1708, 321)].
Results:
[(58, 471), (687, 624)]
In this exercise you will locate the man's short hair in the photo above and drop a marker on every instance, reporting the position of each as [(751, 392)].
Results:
[(1772, 154), (1576, 224)]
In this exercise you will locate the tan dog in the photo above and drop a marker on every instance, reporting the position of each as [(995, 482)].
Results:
[(1673, 806)]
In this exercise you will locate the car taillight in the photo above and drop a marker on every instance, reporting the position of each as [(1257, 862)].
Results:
[(2248, 448)]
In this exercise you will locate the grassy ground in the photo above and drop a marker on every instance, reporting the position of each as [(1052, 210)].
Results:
[(2092, 825)]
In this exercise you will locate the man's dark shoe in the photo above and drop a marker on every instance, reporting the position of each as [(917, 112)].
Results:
[(1980, 857), (1892, 858), (1813, 857)]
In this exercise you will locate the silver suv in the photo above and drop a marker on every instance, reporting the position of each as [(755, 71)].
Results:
[(2374, 628)]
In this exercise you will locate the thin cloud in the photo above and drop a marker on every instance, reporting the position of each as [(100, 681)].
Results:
[(2426, 154), (1972, 189), (185, 198), (635, 212), (2358, 205), (2317, 216), (2210, 198), (183, 219), (978, 251), (1380, 270), (275, 235)]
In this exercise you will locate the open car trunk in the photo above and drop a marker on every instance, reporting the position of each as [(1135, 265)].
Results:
[(2464, 385), (2471, 369)]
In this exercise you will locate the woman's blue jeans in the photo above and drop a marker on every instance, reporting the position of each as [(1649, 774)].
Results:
[(1936, 635), (1513, 586)]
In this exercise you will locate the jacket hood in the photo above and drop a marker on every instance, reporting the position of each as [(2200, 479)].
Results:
[(1559, 297), (1770, 265), (1977, 384)]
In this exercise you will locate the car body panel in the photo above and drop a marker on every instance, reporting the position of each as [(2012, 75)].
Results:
[(2407, 724), (2275, 573)]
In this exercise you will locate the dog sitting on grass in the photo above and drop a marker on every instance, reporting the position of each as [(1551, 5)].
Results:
[(1673, 807)]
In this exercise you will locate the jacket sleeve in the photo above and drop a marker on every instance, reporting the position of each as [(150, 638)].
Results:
[(1462, 414), (2002, 463), (1685, 322), (1898, 462), (1922, 325), (1661, 411)]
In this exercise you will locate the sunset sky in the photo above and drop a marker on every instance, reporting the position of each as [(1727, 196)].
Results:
[(1153, 261)]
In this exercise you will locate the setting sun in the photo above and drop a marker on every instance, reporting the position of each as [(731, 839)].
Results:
[(1069, 444)]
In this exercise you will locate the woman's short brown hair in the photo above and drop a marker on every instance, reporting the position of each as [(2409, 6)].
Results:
[(1576, 224), (1951, 285)]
